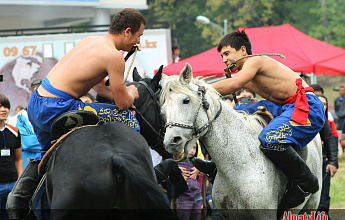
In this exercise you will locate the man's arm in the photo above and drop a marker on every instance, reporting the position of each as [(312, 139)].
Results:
[(123, 96), (18, 161), (242, 78)]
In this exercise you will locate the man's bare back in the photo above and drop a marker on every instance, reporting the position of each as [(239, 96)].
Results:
[(90, 61), (83, 67), (267, 77)]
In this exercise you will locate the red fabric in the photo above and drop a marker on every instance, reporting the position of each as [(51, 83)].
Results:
[(301, 112), (302, 53), (333, 128)]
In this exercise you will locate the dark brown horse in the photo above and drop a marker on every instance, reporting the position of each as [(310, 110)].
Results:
[(106, 171)]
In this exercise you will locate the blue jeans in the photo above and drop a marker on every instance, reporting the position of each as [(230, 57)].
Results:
[(5, 189)]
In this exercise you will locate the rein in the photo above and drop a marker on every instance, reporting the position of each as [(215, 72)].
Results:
[(156, 104), (194, 127), (136, 49)]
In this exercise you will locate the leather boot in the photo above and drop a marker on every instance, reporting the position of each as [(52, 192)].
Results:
[(18, 201), (207, 167), (304, 182), (163, 170)]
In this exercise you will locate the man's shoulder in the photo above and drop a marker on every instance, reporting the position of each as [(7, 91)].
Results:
[(337, 99)]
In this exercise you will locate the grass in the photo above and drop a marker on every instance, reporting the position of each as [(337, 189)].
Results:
[(337, 192)]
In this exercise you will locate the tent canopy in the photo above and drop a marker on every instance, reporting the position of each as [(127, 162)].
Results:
[(302, 53)]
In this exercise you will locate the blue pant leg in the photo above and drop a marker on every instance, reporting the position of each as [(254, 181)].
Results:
[(251, 108), (108, 112)]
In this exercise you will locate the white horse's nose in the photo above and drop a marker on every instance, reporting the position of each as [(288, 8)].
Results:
[(171, 143)]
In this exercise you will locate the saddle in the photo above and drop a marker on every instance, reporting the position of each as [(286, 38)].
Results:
[(64, 125), (265, 115), (70, 120)]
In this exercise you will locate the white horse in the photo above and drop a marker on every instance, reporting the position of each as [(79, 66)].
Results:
[(247, 185)]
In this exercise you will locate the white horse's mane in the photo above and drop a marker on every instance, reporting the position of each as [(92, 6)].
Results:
[(173, 84)]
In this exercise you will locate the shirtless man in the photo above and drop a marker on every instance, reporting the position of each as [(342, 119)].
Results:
[(81, 69), (300, 119)]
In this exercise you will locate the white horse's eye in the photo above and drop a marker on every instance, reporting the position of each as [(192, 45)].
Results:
[(186, 101)]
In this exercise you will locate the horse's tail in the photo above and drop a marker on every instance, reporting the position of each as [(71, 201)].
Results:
[(150, 199)]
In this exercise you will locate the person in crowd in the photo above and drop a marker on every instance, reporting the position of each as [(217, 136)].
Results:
[(330, 158), (189, 203), (19, 108), (11, 161), (342, 139), (290, 94), (12, 120), (29, 141), (228, 99), (70, 79), (87, 98), (245, 96), (175, 53), (31, 147), (246, 93), (339, 107), (318, 90)]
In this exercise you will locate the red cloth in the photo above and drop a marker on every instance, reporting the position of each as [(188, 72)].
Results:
[(333, 128), (301, 112)]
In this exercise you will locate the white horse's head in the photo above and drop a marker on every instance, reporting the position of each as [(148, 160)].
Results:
[(186, 108)]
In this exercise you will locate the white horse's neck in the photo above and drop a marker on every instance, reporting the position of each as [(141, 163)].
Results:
[(230, 136)]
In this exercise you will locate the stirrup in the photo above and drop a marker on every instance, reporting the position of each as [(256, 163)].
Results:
[(72, 119)]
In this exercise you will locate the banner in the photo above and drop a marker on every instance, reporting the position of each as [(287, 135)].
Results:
[(27, 58)]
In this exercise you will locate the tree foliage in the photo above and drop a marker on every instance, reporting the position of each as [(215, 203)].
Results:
[(321, 19)]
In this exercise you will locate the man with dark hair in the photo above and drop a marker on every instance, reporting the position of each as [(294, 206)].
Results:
[(302, 114), (339, 107), (11, 161), (317, 89), (84, 67)]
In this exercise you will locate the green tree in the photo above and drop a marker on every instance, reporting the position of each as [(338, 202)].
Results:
[(181, 16), (321, 19)]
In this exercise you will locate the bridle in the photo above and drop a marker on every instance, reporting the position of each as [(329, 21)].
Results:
[(155, 99), (205, 105)]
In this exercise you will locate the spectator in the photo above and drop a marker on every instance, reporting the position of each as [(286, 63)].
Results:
[(30, 145), (246, 96), (228, 99), (11, 161), (330, 157), (339, 107), (189, 203), (12, 120), (19, 108), (31, 148), (318, 90), (87, 98), (175, 53), (342, 140)]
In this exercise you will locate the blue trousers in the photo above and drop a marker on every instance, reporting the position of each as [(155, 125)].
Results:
[(5, 189)]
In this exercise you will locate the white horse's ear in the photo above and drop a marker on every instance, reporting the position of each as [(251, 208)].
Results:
[(165, 79), (186, 74)]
